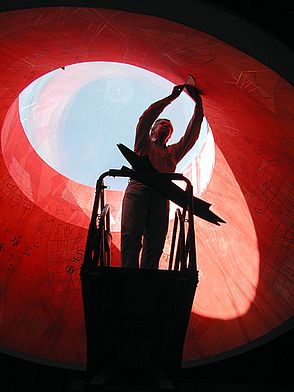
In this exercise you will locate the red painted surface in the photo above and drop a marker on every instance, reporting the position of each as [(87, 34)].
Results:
[(246, 270)]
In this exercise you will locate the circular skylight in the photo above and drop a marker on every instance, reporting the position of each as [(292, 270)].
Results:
[(75, 116)]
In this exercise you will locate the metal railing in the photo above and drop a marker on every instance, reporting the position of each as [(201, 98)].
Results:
[(183, 246)]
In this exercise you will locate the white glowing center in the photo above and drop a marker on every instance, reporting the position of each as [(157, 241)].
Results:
[(75, 117)]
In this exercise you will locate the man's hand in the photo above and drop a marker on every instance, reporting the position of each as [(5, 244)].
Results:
[(192, 91), (177, 91)]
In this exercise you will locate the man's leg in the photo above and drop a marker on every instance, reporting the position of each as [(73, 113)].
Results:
[(134, 210), (155, 233)]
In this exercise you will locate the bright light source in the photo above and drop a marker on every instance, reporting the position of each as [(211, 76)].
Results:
[(75, 117)]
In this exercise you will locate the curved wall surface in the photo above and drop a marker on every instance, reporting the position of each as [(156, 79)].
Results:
[(246, 269)]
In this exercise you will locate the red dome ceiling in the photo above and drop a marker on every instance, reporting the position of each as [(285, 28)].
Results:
[(246, 271)]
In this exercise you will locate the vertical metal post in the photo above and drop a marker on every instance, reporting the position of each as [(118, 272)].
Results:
[(191, 232), (172, 248), (92, 231)]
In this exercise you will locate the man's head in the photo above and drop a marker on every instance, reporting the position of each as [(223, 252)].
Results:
[(161, 130)]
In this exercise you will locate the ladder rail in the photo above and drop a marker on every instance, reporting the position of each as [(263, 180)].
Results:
[(97, 250)]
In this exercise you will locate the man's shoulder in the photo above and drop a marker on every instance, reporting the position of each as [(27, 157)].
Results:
[(171, 147)]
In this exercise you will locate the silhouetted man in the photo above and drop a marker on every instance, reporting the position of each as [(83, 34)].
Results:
[(145, 212)]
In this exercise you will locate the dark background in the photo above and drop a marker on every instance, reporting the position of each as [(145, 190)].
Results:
[(268, 367), (273, 17)]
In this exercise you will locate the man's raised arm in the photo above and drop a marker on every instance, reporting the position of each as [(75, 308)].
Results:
[(193, 129)]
